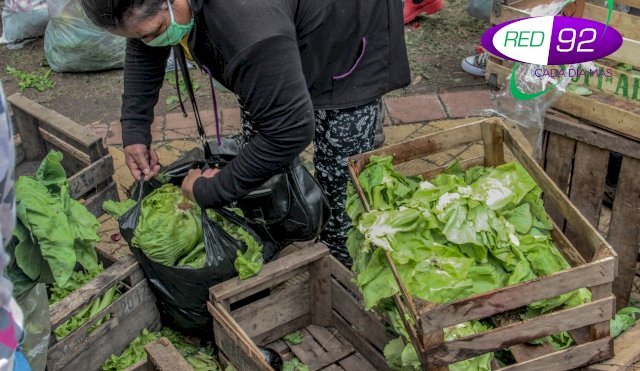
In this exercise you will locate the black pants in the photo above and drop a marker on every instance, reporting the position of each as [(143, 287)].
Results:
[(339, 134)]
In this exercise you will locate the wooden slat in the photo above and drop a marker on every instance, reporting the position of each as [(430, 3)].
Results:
[(273, 311), (87, 179), (559, 164), (626, 352), (31, 141), (515, 296), (574, 218), (567, 126), (165, 357), (565, 247), (631, 3), (69, 151), (95, 200), (503, 337), (60, 126), (569, 358), (276, 333), (465, 164), (355, 337), (422, 146), (132, 312), (492, 142), (624, 229), (587, 190), (20, 155), (67, 307), (311, 353), (362, 322), (525, 352), (356, 362), (628, 52), (345, 277), (320, 292), (234, 343), (272, 274)]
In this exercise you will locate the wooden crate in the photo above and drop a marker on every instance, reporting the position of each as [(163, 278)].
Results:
[(161, 356), (615, 104), (86, 161), (576, 157), (307, 291), (132, 312), (597, 275), (627, 353)]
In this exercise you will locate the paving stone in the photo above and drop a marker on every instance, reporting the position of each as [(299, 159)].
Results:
[(184, 133), (100, 129), (114, 135), (157, 129), (176, 120), (417, 108), (454, 123), (467, 103), (399, 133), (231, 119)]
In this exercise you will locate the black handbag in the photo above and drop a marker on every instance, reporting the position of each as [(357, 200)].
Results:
[(291, 205)]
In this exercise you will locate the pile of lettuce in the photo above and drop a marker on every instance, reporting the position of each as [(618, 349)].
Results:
[(169, 231), (78, 279), (53, 233), (460, 234), (200, 358)]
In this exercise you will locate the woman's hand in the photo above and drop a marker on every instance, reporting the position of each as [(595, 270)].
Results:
[(192, 176), (140, 160)]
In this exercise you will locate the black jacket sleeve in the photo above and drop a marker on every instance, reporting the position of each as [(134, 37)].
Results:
[(144, 68), (268, 78)]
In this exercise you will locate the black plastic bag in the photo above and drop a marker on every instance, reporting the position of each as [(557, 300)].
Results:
[(182, 292)]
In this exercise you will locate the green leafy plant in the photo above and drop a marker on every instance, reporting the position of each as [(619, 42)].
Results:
[(54, 232), (294, 364), (624, 320), (37, 80), (294, 338)]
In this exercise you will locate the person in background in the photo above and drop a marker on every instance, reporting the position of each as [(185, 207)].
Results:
[(11, 333), (303, 71)]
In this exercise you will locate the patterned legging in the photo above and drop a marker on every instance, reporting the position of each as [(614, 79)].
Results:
[(340, 133)]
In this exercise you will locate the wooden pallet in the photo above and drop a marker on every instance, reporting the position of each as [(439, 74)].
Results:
[(307, 291), (597, 275), (615, 104), (86, 161), (576, 156), (132, 312)]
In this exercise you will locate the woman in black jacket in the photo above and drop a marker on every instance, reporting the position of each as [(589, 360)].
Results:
[(303, 70)]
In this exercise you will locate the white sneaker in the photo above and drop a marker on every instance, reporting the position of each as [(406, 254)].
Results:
[(475, 64)]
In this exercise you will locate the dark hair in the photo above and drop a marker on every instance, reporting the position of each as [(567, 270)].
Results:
[(112, 14)]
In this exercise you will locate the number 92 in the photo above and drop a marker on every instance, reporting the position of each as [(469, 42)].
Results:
[(567, 36)]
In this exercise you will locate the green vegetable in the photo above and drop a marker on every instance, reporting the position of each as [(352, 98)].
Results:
[(294, 364), (87, 313), (294, 338), (580, 90), (169, 225), (460, 234), (117, 208), (31, 80), (54, 231), (133, 354), (624, 320)]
